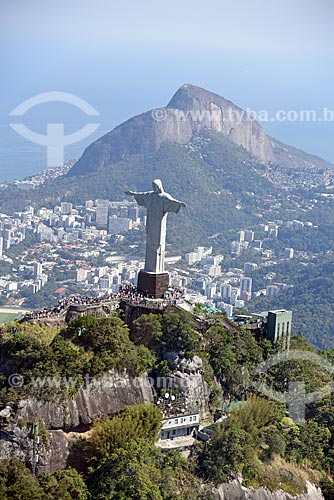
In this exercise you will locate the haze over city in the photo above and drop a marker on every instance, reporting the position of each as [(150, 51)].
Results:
[(166, 250), (127, 57)]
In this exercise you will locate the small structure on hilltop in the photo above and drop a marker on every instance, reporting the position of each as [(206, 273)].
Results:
[(179, 425), (274, 325)]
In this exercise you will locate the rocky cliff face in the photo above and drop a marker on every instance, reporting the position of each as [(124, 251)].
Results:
[(139, 135), (190, 110), (106, 396), (49, 454), (235, 491), (60, 420), (206, 110)]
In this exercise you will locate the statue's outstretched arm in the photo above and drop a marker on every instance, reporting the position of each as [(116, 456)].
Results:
[(181, 203)]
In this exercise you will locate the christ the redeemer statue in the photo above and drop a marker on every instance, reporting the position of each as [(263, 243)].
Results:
[(158, 203)]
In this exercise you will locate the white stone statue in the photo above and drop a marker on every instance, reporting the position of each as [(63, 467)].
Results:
[(158, 203)]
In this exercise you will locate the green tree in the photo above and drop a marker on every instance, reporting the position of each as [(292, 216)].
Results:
[(232, 355), (273, 443), (327, 488), (133, 424), (16, 481), (178, 334), (108, 340), (229, 451), (65, 484), (147, 330), (310, 445), (126, 474), (254, 416)]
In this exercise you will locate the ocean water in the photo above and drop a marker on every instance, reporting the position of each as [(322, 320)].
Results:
[(20, 158)]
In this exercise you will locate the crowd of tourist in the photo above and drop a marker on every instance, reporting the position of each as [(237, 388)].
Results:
[(126, 292), (64, 303)]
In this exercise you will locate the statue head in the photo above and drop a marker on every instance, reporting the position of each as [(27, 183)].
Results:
[(157, 186)]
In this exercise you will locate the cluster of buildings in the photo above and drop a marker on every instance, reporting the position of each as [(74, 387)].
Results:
[(75, 246), (69, 224), (300, 177), (43, 176), (68, 228), (267, 231), (12, 232), (230, 288), (26, 279)]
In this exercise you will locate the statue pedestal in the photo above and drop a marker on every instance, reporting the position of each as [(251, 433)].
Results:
[(154, 285)]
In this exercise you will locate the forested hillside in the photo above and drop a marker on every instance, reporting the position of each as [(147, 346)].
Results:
[(258, 440)]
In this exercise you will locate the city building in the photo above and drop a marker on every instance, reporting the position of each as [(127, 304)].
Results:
[(249, 235), (272, 290), (235, 248), (66, 208), (105, 283), (297, 224), (289, 253), (118, 225), (245, 288), (102, 211), (250, 267), (38, 269), (191, 258), (214, 271), (273, 233), (81, 275), (211, 290), (225, 291)]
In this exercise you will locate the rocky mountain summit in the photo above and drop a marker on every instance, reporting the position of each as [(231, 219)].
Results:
[(190, 111)]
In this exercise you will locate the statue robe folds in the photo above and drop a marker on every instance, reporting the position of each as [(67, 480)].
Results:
[(158, 205)]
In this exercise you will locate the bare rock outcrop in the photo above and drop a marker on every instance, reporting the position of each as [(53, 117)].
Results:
[(47, 444), (191, 110), (104, 396), (235, 491), (210, 111)]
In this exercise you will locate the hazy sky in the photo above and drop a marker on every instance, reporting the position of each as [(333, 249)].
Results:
[(284, 25), (125, 57)]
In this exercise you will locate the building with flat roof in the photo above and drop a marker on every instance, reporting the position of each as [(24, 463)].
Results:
[(179, 425), (279, 326), (274, 325)]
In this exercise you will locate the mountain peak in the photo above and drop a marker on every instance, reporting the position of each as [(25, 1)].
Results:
[(189, 92), (191, 110)]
